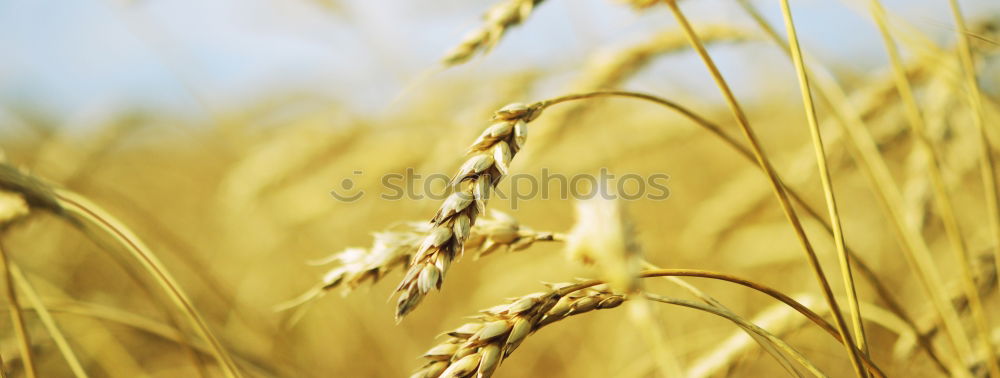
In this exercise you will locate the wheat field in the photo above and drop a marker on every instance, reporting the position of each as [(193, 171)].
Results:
[(785, 215)]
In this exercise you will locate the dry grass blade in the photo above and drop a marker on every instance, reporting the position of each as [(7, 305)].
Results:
[(497, 21), (50, 324), (825, 178), (776, 185), (765, 343), (748, 326), (805, 311), (778, 318), (142, 324), (17, 315)]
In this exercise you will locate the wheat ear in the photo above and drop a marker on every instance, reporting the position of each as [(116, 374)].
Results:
[(496, 22), (392, 249), (477, 348), (452, 225)]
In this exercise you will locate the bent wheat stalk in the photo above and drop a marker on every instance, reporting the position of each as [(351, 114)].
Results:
[(82, 210), (78, 211)]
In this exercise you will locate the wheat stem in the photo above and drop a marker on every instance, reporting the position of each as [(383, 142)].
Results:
[(50, 324), (944, 205), (864, 150), (776, 185), (986, 164), (824, 170)]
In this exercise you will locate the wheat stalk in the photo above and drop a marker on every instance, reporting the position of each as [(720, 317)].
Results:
[(825, 177), (17, 315), (14, 207), (987, 164), (776, 185), (943, 201), (865, 151), (50, 324)]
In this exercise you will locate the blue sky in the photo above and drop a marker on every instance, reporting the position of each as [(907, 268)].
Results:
[(74, 56)]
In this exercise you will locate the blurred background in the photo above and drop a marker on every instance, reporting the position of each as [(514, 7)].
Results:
[(216, 130)]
